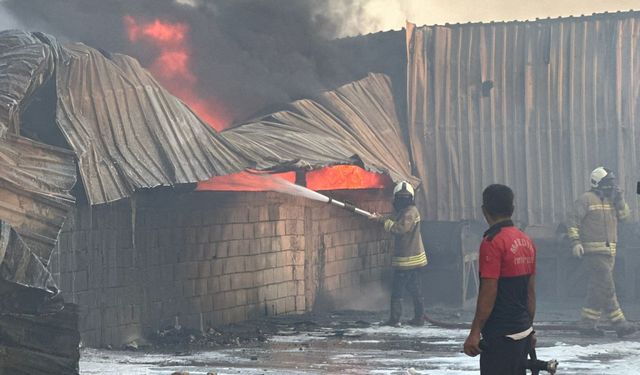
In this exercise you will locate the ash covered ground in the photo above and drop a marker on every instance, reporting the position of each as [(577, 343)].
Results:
[(352, 342)]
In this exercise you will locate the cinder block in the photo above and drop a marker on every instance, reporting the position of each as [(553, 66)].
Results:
[(229, 299), (290, 304), (301, 305), (271, 260), (202, 235), (241, 297), (282, 290), (222, 249), (248, 231), (237, 231), (213, 285), (283, 258), (234, 265), (201, 287), (191, 235), (192, 270), (225, 283), (281, 306), (189, 288), (269, 276), (241, 280), (265, 244), (215, 233), (217, 267)]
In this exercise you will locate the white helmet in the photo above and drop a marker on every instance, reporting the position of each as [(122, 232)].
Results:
[(403, 187), (598, 175)]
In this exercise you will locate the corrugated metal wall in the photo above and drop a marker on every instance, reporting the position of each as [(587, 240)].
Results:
[(535, 105)]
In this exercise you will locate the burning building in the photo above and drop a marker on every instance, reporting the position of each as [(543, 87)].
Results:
[(136, 256), (165, 226)]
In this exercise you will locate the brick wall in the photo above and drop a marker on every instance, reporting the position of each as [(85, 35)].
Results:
[(213, 258)]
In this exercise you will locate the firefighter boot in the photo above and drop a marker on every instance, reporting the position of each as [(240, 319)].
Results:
[(395, 314), (418, 313), (589, 328), (624, 328)]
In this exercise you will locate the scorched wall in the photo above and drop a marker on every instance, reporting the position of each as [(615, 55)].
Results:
[(211, 258)]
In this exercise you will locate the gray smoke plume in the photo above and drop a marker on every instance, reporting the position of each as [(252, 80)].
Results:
[(7, 21), (251, 56)]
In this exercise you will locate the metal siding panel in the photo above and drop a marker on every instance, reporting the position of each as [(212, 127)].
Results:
[(563, 101)]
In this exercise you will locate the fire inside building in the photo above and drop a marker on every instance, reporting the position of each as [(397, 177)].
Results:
[(130, 202)]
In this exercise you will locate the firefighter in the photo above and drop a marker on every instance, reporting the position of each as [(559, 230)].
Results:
[(592, 229), (409, 256)]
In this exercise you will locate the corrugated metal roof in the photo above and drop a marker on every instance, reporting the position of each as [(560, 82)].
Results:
[(35, 180), (130, 133), (354, 124), (535, 105), (25, 64)]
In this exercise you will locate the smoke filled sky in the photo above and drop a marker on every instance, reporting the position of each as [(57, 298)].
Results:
[(243, 58), (391, 14)]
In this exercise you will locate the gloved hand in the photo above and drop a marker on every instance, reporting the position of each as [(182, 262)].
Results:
[(377, 218), (618, 195), (577, 250)]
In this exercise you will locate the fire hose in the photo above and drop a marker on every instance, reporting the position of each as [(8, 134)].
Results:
[(351, 208)]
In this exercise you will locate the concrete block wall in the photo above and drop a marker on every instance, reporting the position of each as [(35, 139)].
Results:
[(212, 258)]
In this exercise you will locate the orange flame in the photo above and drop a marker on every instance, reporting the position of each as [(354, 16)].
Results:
[(345, 177), (172, 66)]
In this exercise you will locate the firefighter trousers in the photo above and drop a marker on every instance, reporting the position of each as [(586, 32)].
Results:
[(601, 290), (411, 281)]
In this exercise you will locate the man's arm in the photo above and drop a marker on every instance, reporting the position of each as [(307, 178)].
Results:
[(404, 224), (531, 301), (486, 300)]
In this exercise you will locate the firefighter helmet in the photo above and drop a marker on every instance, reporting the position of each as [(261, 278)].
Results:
[(403, 188), (601, 175)]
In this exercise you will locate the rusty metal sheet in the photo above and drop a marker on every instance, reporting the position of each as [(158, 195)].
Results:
[(535, 105), (35, 180), (128, 132), (19, 265), (355, 124)]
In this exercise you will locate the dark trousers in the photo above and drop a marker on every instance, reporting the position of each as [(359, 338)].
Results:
[(409, 280), (504, 356)]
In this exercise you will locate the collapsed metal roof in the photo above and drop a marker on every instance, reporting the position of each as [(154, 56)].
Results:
[(125, 132), (354, 124)]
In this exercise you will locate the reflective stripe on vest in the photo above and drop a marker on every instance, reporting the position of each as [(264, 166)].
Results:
[(412, 261), (599, 248)]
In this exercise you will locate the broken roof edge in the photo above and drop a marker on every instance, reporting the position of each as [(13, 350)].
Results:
[(336, 127)]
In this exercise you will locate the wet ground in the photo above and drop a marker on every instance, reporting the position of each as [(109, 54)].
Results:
[(352, 342)]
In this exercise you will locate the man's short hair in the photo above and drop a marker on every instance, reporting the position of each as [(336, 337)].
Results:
[(497, 200)]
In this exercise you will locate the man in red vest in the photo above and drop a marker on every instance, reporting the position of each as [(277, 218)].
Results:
[(507, 300)]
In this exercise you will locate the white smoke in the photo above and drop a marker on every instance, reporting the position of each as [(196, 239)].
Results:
[(7, 21)]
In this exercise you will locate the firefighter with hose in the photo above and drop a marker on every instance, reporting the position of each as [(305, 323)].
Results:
[(592, 229), (409, 256)]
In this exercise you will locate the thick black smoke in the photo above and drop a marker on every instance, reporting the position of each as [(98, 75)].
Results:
[(251, 55)]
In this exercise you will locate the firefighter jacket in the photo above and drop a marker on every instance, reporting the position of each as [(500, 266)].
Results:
[(409, 249), (594, 223)]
